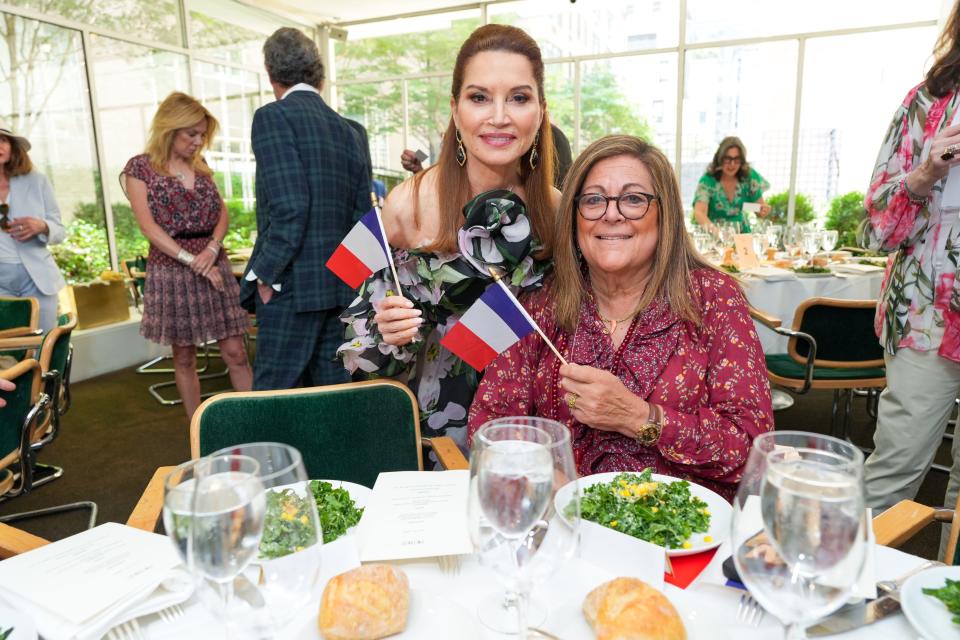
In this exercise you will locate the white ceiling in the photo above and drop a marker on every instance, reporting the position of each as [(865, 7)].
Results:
[(319, 11)]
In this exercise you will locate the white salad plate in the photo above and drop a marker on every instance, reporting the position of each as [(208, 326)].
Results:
[(927, 614), (359, 493), (720, 510)]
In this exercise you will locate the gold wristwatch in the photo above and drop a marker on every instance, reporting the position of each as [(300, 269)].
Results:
[(649, 432)]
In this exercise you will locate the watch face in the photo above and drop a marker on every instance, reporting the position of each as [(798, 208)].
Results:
[(649, 433)]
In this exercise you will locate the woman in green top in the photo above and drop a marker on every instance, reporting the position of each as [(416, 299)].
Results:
[(728, 183)]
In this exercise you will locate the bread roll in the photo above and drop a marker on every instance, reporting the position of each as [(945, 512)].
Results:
[(630, 609), (365, 603)]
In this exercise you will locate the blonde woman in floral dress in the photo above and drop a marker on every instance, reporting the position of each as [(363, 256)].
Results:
[(918, 315)]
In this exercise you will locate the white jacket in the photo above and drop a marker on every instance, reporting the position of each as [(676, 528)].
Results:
[(32, 195)]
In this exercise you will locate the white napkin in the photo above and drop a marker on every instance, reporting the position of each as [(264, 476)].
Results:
[(856, 268), (771, 273), (621, 555)]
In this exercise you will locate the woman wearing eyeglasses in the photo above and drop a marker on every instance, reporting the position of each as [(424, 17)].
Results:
[(727, 185), (665, 368), (29, 221)]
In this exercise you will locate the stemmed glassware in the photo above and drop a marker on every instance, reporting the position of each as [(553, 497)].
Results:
[(828, 239), (287, 567), (799, 530), (811, 242), (517, 465), (213, 511), (774, 233)]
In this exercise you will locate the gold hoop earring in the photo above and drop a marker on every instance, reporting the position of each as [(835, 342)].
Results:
[(461, 152), (534, 154)]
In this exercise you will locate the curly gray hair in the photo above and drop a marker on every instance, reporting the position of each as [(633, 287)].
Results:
[(291, 58)]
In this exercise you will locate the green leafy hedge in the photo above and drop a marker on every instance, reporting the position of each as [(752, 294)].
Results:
[(845, 215), (803, 210)]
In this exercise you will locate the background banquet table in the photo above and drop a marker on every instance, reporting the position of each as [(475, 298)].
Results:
[(446, 604), (780, 298)]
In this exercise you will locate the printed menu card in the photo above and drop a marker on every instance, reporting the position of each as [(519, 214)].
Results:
[(416, 514)]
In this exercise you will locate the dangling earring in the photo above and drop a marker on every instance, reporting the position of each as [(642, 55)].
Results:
[(461, 152), (534, 154)]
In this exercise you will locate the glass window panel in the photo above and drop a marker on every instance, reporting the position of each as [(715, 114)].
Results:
[(379, 108), (559, 80), (232, 32), (598, 26), (840, 135), (44, 96), (635, 95), (157, 20), (232, 95), (131, 82), (711, 20), (410, 45), (429, 114), (747, 91)]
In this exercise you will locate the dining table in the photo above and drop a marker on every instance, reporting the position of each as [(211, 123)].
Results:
[(780, 296), (444, 598)]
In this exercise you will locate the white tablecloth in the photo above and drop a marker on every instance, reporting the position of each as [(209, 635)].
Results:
[(446, 605), (782, 297)]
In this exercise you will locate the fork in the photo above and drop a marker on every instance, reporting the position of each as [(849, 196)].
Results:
[(129, 630), (749, 611), (449, 565), (171, 613)]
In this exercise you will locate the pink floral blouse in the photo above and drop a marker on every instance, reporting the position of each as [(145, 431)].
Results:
[(922, 276), (711, 381)]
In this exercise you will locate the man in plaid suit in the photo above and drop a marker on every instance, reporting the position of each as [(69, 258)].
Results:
[(312, 184)]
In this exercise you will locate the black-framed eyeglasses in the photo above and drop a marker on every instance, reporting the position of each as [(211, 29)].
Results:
[(4, 211), (731, 159), (632, 205)]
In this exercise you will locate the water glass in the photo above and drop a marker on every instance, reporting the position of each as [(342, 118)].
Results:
[(774, 233), (811, 241), (799, 530), (517, 465), (829, 239), (287, 567), (214, 512)]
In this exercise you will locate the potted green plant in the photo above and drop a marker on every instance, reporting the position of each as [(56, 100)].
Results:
[(846, 213), (803, 210)]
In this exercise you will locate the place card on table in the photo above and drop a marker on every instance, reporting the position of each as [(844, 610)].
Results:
[(622, 555), (746, 256), (80, 581), (416, 514)]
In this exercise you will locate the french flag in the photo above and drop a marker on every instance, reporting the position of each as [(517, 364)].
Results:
[(364, 251), (489, 327)]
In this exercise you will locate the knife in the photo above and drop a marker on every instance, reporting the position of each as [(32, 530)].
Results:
[(854, 617)]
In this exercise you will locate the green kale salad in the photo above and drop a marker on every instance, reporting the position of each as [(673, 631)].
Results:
[(664, 513), (730, 268), (288, 526), (337, 510), (811, 269), (948, 594)]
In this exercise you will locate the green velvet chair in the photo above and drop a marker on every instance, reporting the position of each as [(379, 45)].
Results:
[(19, 316), (28, 408), (832, 345), (55, 354), (347, 431)]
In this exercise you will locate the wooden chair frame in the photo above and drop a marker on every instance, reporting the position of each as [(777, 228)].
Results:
[(903, 520), (32, 328)]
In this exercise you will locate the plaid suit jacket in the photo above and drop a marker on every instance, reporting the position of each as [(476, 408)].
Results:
[(313, 183)]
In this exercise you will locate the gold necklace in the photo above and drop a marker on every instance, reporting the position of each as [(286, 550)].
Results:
[(613, 323)]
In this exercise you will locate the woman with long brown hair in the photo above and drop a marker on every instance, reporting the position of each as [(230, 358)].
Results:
[(487, 203), (728, 183), (913, 215), (665, 368)]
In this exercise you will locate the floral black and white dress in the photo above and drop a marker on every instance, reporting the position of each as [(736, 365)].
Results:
[(496, 234)]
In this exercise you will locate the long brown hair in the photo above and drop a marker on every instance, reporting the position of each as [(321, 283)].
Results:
[(715, 168), (19, 163), (178, 111), (453, 187), (675, 258), (944, 75)]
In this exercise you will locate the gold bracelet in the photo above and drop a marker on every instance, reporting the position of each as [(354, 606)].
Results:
[(912, 196), (216, 252)]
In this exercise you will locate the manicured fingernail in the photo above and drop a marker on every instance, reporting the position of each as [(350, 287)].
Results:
[(418, 312)]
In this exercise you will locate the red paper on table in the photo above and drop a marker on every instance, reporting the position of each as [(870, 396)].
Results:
[(687, 568)]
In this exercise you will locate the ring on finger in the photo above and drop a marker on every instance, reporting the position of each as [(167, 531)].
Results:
[(950, 152), (572, 400)]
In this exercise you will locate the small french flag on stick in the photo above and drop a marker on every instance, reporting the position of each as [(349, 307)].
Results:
[(492, 324), (364, 251)]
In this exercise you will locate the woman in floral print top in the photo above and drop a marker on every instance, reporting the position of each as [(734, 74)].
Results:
[(918, 314), (652, 333), (727, 184)]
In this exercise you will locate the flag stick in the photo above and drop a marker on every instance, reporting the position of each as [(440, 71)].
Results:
[(393, 269), (497, 277)]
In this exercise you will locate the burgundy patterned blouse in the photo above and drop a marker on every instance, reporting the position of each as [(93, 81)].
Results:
[(710, 380)]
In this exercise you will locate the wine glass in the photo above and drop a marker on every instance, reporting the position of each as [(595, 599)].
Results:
[(811, 242), (214, 511), (828, 239), (799, 530), (287, 566), (774, 234), (517, 465)]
